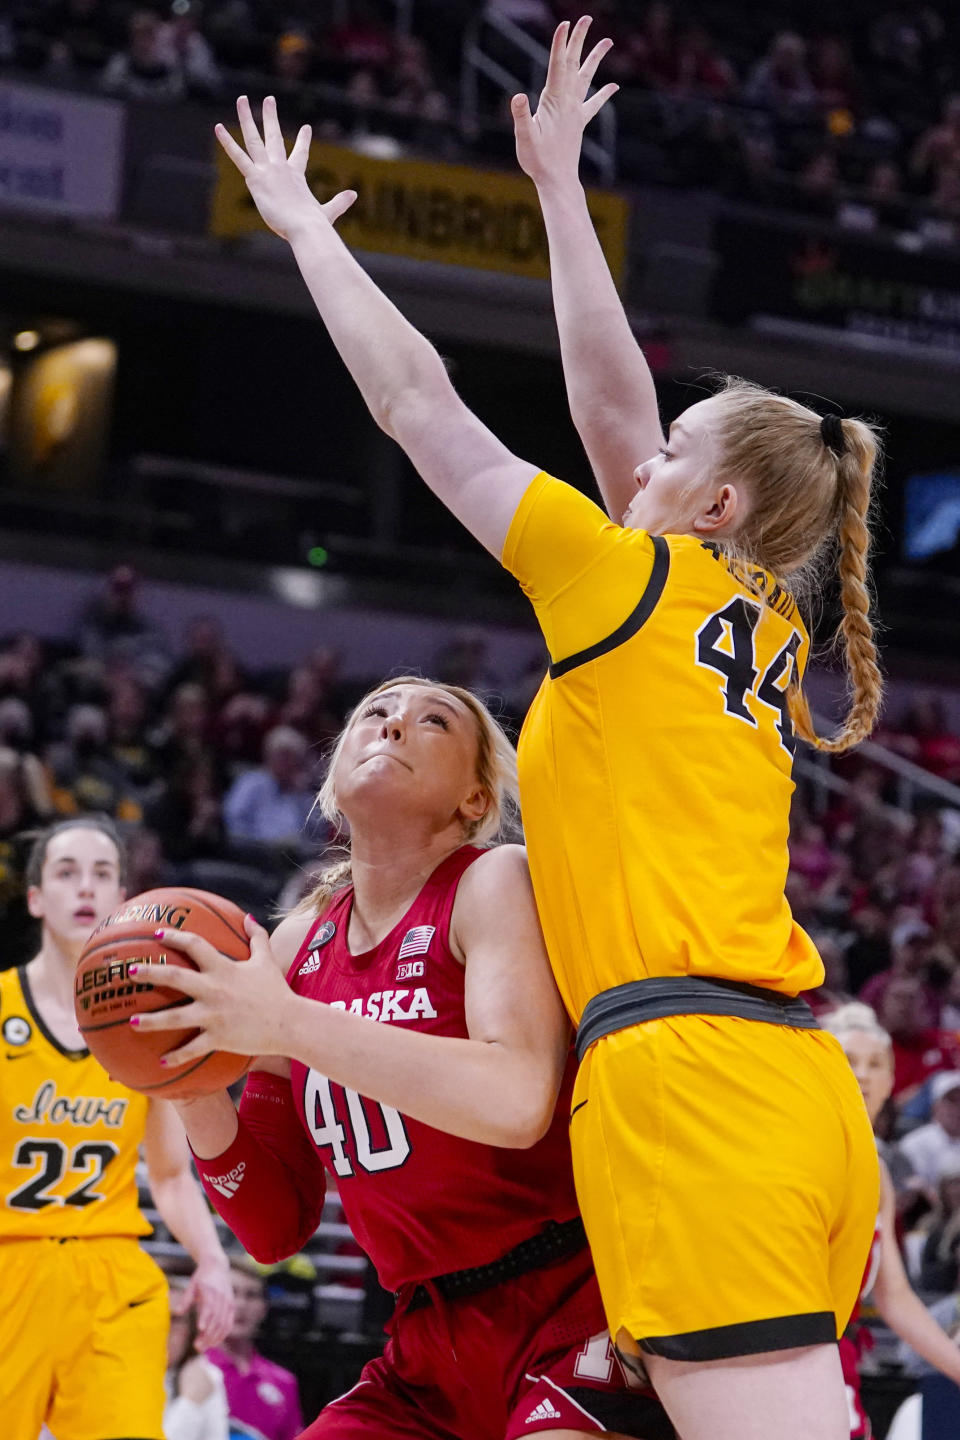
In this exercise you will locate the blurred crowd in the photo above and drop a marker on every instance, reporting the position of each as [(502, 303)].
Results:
[(210, 768), (850, 111)]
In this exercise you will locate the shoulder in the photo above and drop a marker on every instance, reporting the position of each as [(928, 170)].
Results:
[(289, 936), (502, 868), (494, 895)]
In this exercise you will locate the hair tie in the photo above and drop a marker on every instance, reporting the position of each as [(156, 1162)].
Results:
[(831, 432)]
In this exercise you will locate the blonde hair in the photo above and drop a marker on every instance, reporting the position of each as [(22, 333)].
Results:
[(803, 497), (496, 775), (855, 1019)]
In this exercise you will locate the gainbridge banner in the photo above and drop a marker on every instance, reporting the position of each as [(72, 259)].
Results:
[(429, 211)]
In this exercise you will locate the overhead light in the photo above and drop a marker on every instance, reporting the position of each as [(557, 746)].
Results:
[(26, 339)]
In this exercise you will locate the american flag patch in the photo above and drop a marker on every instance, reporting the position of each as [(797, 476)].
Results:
[(417, 941)]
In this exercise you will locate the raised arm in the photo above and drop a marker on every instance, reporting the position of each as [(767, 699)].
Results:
[(610, 390), (399, 373)]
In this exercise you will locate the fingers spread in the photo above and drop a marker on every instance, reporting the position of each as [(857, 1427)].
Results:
[(577, 38), (339, 205), (597, 102), (589, 67), (236, 153), (248, 127), (272, 134), (558, 51), (300, 153)]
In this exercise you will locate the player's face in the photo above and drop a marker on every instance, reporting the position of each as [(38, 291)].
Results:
[(250, 1305), (79, 885), (415, 748), (872, 1063), (674, 487)]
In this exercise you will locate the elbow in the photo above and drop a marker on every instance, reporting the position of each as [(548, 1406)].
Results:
[(527, 1124), (410, 410)]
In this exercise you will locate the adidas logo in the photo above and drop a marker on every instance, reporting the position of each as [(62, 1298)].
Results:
[(544, 1411), (311, 964), (228, 1185)]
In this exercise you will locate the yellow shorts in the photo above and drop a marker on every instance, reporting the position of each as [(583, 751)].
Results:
[(83, 1340), (728, 1179)]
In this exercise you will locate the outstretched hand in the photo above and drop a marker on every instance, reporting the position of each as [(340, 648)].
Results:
[(238, 1006), (548, 143), (278, 181)]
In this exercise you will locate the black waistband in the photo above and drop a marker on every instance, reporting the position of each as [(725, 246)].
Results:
[(556, 1241), (642, 1000)]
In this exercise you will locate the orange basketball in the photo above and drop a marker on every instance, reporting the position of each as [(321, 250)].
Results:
[(105, 996)]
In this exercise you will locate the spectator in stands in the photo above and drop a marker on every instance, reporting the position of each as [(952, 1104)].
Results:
[(701, 69), (293, 59), (938, 148), (145, 69), (196, 1406), (835, 990), (185, 732), (114, 628), (16, 733), (182, 46), (84, 775), (817, 190), (127, 710), (273, 802), (208, 660), (17, 816), (931, 1148), (919, 1050), (306, 709), (936, 745), (910, 943), (260, 1394), (780, 82), (82, 36), (653, 48), (239, 731), (941, 1251), (188, 814), (362, 40), (147, 867)]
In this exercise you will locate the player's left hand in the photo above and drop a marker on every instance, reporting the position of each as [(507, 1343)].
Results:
[(237, 1005), (211, 1290), (548, 142)]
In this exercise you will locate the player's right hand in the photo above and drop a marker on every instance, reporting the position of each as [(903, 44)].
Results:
[(548, 143), (278, 182)]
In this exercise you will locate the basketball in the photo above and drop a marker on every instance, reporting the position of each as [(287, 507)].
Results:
[(105, 995)]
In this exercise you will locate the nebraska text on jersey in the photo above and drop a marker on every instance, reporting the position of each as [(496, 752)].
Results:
[(389, 1005)]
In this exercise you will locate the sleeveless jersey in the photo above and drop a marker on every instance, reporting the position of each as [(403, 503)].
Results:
[(69, 1135), (655, 762), (420, 1202)]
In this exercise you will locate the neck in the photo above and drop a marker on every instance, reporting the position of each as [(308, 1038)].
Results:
[(52, 970), (388, 871), (241, 1350)]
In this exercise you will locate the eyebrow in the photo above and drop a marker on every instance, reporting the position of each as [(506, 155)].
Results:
[(434, 700)]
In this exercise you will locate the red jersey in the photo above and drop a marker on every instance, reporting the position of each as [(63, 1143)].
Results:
[(420, 1202), (853, 1342)]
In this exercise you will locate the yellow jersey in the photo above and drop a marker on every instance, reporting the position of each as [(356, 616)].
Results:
[(69, 1135), (656, 759)]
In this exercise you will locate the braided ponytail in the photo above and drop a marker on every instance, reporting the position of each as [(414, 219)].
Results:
[(855, 465)]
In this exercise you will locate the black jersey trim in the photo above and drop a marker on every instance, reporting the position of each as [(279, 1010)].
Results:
[(634, 621), (753, 1337), (38, 1020)]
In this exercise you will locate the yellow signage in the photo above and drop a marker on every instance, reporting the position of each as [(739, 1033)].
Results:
[(429, 211)]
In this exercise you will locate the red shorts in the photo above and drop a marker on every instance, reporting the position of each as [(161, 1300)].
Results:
[(850, 1360), (528, 1355)]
